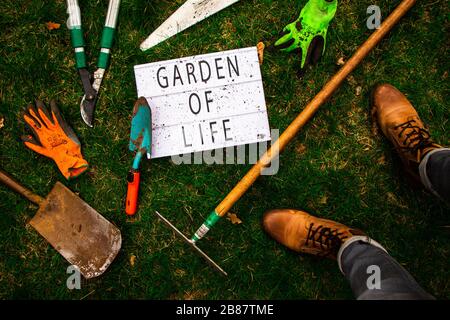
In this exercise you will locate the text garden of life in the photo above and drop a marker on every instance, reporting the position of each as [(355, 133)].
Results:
[(204, 102)]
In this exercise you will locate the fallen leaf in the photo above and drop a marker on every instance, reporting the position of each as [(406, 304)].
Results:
[(228, 29), (180, 272), (358, 90), (194, 295), (381, 160), (52, 25), (300, 148), (260, 47), (341, 61), (391, 198), (351, 80), (323, 200), (132, 260), (233, 218)]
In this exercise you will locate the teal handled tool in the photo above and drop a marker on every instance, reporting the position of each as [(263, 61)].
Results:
[(91, 89), (141, 143)]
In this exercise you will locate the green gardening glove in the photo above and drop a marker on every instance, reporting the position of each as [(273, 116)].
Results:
[(308, 33)]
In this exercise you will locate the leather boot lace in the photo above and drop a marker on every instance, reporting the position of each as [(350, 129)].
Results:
[(416, 140), (328, 239)]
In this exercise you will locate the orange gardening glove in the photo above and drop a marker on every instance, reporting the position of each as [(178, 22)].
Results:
[(54, 138)]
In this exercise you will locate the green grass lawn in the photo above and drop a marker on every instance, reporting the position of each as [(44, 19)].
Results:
[(336, 168)]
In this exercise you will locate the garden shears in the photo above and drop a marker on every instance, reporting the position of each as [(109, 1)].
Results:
[(91, 89)]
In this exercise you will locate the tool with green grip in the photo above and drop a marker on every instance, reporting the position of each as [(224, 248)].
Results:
[(76, 33), (91, 89)]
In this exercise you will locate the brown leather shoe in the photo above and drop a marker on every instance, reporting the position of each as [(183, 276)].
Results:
[(401, 124), (305, 233)]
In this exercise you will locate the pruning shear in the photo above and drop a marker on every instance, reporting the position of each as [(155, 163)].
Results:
[(91, 89)]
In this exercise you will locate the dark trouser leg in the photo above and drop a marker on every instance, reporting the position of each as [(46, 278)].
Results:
[(374, 275), (435, 173)]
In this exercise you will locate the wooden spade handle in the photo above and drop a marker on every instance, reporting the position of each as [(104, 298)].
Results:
[(12, 184)]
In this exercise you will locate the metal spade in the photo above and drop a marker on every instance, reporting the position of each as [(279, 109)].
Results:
[(79, 233)]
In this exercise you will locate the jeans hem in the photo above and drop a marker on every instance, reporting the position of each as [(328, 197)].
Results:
[(352, 240), (423, 171)]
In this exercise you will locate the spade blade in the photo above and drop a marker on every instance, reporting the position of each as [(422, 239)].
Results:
[(78, 232)]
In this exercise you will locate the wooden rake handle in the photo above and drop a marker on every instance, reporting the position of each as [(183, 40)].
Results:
[(14, 185), (307, 113)]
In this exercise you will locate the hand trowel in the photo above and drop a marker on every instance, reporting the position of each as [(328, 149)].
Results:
[(140, 144)]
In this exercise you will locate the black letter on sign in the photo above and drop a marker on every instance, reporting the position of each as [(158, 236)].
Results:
[(212, 131), (190, 72), (164, 78), (219, 68), (225, 129), (235, 67), (204, 79), (208, 100), (176, 75), (184, 138), (198, 103), (201, 133)]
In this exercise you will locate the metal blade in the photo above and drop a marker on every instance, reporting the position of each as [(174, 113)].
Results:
[(141, 127), (78, 232), (90, 95), (87, 105), (191, 12), (191, 243), (87, 110), (85, 77)]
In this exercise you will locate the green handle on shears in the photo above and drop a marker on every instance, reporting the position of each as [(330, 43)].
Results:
[(78, 44), (108, 33), (76, 33), (105, 44)]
